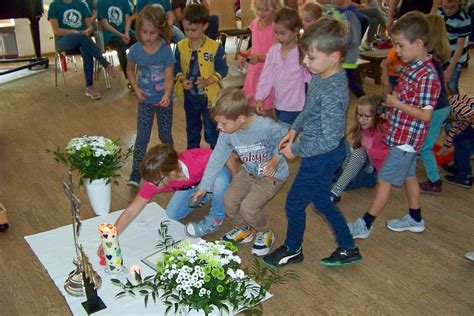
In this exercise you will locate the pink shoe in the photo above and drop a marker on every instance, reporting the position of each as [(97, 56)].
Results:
[(92, 93)]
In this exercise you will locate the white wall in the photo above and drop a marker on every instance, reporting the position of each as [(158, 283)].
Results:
[(25, 41)]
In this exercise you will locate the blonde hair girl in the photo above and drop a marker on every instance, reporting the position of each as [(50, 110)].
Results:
[(263, 37), (152, 82)]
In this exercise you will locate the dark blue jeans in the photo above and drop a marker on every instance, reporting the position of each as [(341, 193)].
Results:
[(463, 148), (145, 116), (313, 184), (353, 79), (88, 50), (197, 115), (286, 116)]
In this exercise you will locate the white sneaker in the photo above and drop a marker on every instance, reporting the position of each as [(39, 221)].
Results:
[(470, 255), (263, 243)]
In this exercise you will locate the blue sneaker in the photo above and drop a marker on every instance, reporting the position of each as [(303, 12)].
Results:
[(406, 223), (359, 229), (203, 227)]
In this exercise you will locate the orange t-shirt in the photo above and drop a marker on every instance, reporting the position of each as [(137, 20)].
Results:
[(395, 64)]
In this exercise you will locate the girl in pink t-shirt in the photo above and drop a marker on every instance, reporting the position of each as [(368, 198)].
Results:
[(263, 37), (165, 170), (365, 159)]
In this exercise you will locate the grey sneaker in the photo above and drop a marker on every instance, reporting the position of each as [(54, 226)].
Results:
[(406, 223), (358, 229), (203, 227), (470, 255)]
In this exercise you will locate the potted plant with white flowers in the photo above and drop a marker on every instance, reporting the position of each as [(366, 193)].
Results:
[(97, 160), (204, 277)]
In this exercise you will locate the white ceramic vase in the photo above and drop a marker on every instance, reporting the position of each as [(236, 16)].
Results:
[(100, 194)]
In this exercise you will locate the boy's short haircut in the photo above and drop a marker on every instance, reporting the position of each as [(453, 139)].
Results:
[(196, 14), (230, 103), (413, 25), (327, 35)]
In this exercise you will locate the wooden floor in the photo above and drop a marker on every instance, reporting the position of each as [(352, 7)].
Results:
[(401, 274)]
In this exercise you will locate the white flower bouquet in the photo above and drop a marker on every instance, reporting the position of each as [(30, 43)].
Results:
[(93, 157), (202, 276)]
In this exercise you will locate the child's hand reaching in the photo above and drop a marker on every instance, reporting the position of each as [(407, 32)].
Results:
[(141, 95), (201, 83), (259, 107), (242, 59), (164, 102), (270, 167), (391, 101), (253, 59), (187, 84), (285, 144)]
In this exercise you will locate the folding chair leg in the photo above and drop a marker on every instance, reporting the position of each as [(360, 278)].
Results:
[(108, 84), (239, 46), (56, 57)]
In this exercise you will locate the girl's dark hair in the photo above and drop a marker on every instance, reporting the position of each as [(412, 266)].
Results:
[(291, 20), (196, 14), (156, 15), (158, 162), (374, 101)]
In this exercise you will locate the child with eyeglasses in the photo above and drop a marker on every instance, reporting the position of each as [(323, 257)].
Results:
[(165, 170), (367, 152)]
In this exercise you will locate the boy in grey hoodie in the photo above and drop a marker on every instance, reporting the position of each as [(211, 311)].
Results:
[(255, 140)]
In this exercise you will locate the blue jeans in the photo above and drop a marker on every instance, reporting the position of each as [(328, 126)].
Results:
[(313, 184), (426, 153), (286, 116), (89, 51), (178, 205), (178, 34), (453, 83), (463, 148), (197, 115), (145, 116), (353, 79)]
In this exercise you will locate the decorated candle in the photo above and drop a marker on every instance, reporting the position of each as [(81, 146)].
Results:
[(110, 245)]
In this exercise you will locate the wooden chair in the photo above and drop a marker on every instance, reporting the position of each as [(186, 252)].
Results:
[(227, 22)]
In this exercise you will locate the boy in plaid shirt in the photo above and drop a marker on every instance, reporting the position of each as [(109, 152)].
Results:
[(410, 109)]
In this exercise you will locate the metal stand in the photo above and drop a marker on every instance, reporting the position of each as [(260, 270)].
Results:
[(74, 284), (92, 282)]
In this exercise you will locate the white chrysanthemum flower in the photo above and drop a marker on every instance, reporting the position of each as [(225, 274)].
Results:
[(240, 274)]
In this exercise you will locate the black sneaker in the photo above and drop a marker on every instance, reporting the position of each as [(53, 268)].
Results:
[(342, 257), (334, 198), (459, 180), (449, 168), (282, 256)]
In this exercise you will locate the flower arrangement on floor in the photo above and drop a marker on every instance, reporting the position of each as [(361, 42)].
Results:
[(93, 157), (204, 276)]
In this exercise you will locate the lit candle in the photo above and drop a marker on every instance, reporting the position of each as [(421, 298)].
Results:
[(110, 245), (135, 276)]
